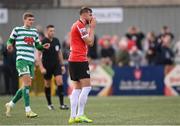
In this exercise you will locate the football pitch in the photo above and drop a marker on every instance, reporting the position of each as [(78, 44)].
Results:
[(131, 110)]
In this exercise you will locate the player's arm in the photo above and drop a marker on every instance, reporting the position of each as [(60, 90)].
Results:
[(89, 38), (39, 46), (11, 40)]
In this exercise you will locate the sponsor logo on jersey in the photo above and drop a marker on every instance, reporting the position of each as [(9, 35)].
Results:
[(29, 40), (83, 31)]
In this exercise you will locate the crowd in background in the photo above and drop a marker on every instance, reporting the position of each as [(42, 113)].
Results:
[(136, 48)]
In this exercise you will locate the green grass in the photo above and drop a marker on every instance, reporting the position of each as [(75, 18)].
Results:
[(103, 110)]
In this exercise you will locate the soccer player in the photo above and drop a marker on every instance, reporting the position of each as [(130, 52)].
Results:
[(26, 40), (78, 64), (52, 64)]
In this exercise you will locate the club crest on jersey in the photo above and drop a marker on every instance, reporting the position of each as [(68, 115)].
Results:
[(83, 31), (24, 69), (29, 40)]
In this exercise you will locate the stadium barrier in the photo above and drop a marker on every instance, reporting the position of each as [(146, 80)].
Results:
[(148, 80), (106, 81), (138, 81), (172, 80)]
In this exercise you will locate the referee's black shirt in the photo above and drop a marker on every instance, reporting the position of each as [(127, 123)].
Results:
[(50, 56)]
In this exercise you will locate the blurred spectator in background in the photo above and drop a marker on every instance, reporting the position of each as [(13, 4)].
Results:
[(176, 51), (137, 57), (107, 52), (165, 55), (115, 42), (10, 72), (66, 46), (136, 35), (92, 51), (149, 46), (165, 30), (122, 58)]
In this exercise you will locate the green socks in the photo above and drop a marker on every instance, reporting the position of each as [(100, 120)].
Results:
[(25, 93), (17, 96)]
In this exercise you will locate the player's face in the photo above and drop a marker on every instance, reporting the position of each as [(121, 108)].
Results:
[(88, 17), (29, 21), (51, 32)]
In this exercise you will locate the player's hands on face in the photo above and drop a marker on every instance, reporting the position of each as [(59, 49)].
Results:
[(93, 22), (46, 46), (10, 48), (63, 69), (43, 70)]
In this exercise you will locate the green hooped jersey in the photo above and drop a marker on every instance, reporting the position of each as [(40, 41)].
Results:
[(26, 39)]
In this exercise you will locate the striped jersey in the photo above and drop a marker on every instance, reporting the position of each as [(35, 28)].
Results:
[(25, 40)]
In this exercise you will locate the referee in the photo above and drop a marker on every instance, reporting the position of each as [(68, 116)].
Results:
[(51, 63)]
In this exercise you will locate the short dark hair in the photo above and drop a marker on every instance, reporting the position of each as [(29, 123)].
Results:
[(167, 34), (27, 14), (49, 26), (165, 27), (85, 10)]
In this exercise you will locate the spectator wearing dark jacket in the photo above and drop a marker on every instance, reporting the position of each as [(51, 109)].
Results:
[(165, 30), (135, 35), (150, 48), (165, 55)]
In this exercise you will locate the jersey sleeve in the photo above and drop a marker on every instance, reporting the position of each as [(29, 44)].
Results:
[(38, 43), (37, 38), (13, 34), (12, 37), (83, 31)]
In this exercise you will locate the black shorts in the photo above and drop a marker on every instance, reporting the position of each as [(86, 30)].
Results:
[(79, 70), (52, 70)]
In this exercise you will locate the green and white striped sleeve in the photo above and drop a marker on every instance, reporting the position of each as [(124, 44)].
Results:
[(37, 43), (12, 37)]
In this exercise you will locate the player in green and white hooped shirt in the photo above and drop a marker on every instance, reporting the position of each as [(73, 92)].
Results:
[(25, 39)]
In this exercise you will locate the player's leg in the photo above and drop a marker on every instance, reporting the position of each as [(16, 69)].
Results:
[(47, 91), (18, 95), (74, 97), (60, 92), (26, 79), (86, 88), (11, 104)]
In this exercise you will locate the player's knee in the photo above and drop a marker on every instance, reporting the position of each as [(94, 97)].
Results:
[(26, 79)]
